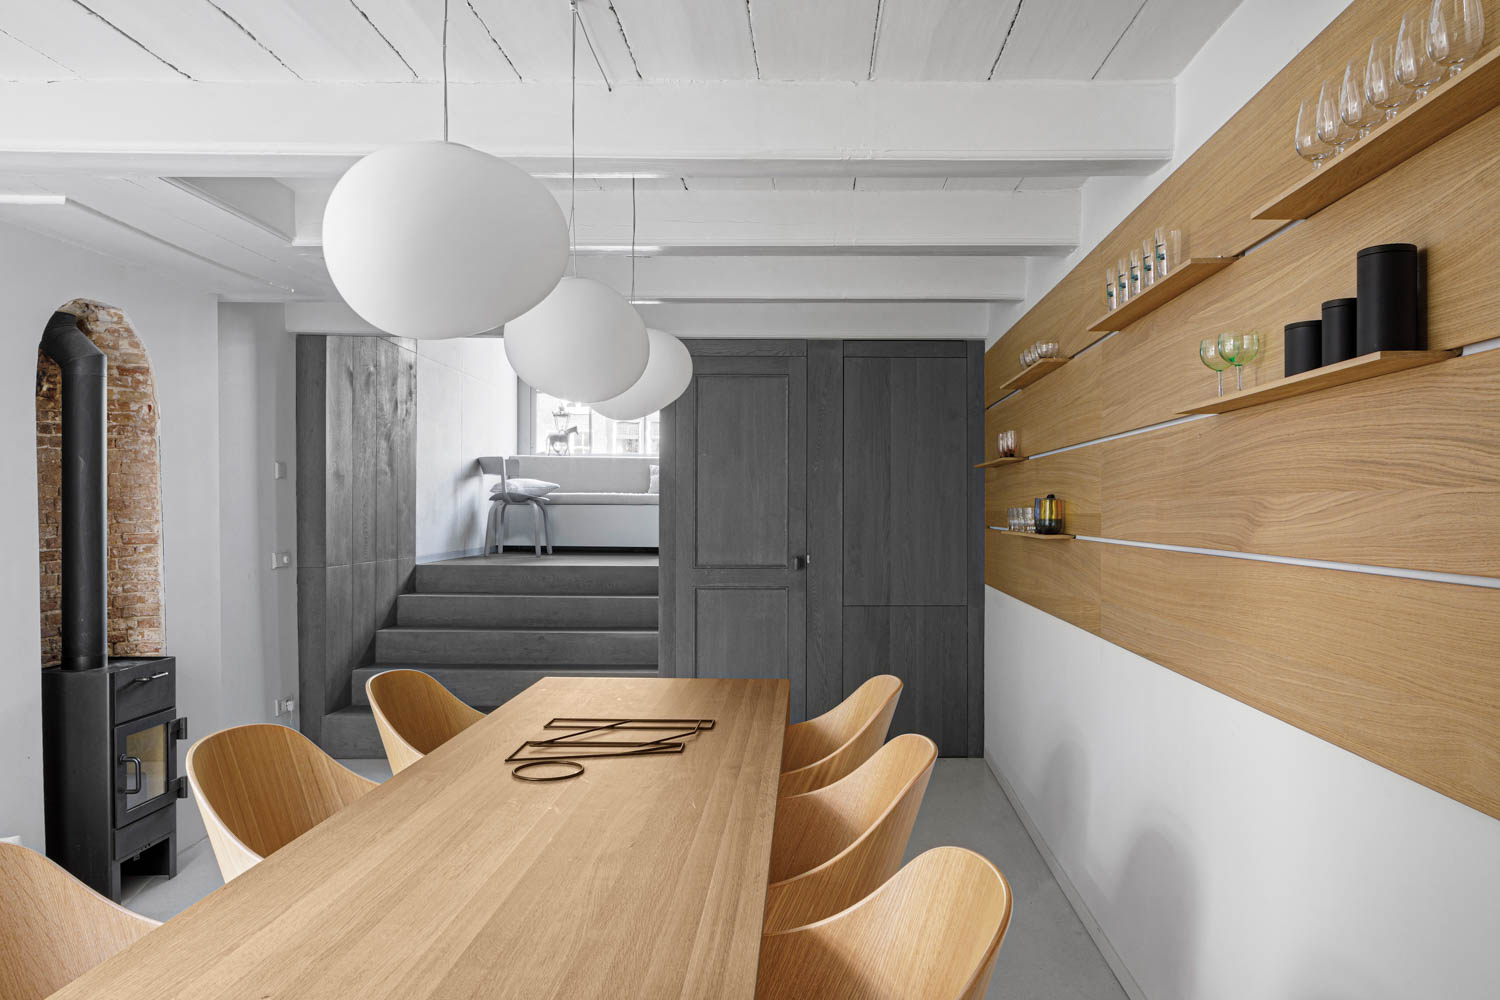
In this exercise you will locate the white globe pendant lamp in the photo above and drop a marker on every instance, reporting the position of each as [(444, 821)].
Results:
[(582, 343), (669, 369), (435, 239)]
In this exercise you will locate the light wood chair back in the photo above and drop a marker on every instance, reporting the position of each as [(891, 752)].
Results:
[(822, 750), (836, 845), (415, 715), (53, 928), (930, 933), (260, 787)]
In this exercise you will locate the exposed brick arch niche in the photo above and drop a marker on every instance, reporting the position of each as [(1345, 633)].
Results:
[(135, 563)]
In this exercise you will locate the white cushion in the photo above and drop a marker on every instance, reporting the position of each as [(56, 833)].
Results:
[(524, 488)]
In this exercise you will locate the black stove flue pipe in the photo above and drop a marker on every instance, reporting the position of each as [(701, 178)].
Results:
[(85, 554)]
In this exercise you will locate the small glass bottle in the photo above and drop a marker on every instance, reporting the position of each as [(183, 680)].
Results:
[(1148, 263), (1135, 273), (1163, 268), (1122, 281), (1109, 288)]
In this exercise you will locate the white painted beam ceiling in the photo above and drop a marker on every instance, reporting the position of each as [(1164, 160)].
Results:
[(874, 165)]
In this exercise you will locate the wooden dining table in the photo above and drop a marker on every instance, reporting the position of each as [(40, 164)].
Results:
[(642, 877)]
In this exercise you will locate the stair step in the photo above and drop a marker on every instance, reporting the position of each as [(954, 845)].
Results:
[(532, 578), (350, 732), (526, 611), (517, 646), (486, 686)]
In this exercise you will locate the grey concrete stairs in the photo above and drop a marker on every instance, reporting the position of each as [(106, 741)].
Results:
[(488, 629)]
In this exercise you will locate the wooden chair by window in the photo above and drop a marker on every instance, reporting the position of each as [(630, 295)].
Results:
[(834, 846), (930, 933), (823, 750), (260, 787), (415, 715), (53, 928)]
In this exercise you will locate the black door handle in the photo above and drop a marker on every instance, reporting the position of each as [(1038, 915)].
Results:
[(139, 773), (802, 562)]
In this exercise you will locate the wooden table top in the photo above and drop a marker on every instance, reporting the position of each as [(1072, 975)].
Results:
[(643, 877)]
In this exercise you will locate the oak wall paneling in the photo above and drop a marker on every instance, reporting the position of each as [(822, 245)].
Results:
[(1213, 195), (1061, 577), (1073, 475)]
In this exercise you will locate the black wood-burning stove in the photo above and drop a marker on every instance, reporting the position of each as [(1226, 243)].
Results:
[(109, 724)]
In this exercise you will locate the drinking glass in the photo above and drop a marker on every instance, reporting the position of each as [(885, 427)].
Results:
[(1208, 353), (1415, 66), (1331, 127), (1239, 349), (1356, 110), (1455, 32), (1308, 145), (1382, 89)]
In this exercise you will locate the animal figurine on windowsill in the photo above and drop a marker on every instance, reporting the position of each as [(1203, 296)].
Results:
[(560, 442)]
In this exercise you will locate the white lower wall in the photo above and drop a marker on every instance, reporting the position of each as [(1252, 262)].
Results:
[(466, 407), (257, 421), (1224, 853), (179, 331)]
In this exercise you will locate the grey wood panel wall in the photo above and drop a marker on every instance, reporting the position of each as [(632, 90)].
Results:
[(356, 501)]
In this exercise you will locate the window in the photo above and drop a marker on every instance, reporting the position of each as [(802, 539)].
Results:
[(561, 427)]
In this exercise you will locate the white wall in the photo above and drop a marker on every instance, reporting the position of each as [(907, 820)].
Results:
[(257, 424), (178, 329), (466, 407), (1224, 853)]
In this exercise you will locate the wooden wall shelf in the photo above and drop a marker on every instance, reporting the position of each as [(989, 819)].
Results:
[(1448, 107), (995, 463), (1021, 379), (1033, 534), (1342, 373), (1187, 274)]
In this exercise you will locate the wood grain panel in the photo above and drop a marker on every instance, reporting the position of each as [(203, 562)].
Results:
[(1398, 471), (1399, 671), (1148, 373), (1073, 475), (927, 647), (1061, 577), (641, 878), (1214, 193)]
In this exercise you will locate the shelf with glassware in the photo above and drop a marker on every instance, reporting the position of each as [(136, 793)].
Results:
[(1356, 369), (1391, 105), (1185, 275), (1032, 534), (1028, 374), (995, 463)]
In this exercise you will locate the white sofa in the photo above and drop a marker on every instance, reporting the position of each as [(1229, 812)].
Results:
[(604, 501)]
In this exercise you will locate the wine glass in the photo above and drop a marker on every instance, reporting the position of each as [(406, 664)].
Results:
[(1239, 349), (1208, 353), (1331, 127), (1455, 32), (1415, 66), (1358, 113), (1382, 89), (1311, 148)]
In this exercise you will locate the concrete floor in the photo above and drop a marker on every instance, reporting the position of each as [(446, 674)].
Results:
[(1047, 955)]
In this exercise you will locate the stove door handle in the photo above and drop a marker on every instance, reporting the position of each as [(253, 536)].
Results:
[(153, 677), (139, 772)]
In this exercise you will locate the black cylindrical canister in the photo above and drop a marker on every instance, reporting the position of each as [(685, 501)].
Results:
[(1338, 330), (1303, 348), (1389, 314)]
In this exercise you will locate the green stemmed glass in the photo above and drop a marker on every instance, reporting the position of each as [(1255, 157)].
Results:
[(1239, 349), (1208, 353)]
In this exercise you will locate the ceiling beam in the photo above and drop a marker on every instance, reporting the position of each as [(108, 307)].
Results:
[(791, 223), (1013, 128), (812, 279)]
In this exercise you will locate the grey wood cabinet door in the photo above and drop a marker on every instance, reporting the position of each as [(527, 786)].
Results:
[(739, 521)]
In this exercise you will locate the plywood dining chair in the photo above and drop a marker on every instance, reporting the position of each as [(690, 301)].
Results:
[(53, 928), (260, 787), (823, 750), (930, 933), (834, 846), (415, 715)]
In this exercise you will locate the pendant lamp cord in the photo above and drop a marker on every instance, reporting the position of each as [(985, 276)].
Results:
[(445, 70), (632, 240), (573, 149)]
